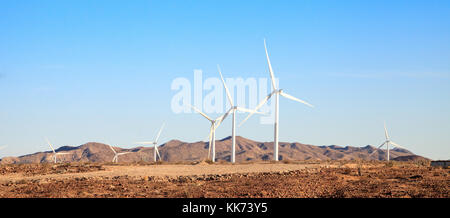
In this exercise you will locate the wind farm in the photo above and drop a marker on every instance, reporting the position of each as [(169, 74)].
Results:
[(224, 108), (177, 166)]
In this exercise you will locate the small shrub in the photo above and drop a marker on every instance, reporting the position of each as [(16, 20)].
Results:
[(287, 161), (209, 162), (423, 163), (389, 164), (347, 171)]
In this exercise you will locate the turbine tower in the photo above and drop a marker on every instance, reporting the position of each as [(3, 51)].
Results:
[(387, 142), (116, 155), (155, 144), (277, 92), (233, 109), (212, 131), (54, 152)]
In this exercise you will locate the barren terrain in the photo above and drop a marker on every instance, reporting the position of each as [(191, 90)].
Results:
[(264, 179)]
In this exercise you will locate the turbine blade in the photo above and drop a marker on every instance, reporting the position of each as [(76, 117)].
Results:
[(248, 110), (272, 77), (381, 145), (377, 149), (159, 133), (221, 118), (385, 131), (112, 149), (226, 88), (157, 152), (372, 153), (397, 145), (257, 107), (50, 144), (204, 115), (294, 98)]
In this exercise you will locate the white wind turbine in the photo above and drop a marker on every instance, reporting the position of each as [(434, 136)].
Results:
[(277, 92), (116, 155), (54, 152), (155, 144), (387, 142), (233, 109), (212, 131)]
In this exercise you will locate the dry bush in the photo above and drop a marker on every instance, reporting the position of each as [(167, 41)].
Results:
[(287, 161), (389, 164), (422, 163), (346, 171)]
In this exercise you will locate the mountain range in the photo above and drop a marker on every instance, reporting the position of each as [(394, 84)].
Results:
[(246, 150)]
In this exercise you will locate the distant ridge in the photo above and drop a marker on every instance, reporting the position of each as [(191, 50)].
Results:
[(246, 150)]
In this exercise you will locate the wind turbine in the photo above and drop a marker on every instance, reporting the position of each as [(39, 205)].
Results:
[(212, 131), (277, 92), (116, 155), (233, 109), (54, 152), (387, 142), (155, 144)]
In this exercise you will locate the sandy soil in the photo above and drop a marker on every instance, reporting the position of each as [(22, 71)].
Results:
[(136, 171), (225, 180)]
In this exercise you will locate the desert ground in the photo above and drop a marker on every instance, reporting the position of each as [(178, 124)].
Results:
[(287, 179)]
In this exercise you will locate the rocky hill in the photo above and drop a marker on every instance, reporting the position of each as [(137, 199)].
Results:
[(246, 150)]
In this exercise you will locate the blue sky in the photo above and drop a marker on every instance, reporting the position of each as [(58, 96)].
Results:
[(80, 71)]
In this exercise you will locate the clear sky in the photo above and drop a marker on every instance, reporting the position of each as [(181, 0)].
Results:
[(80, 71)]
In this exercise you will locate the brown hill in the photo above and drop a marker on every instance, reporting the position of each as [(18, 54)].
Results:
[(411, 158), (246, 150)]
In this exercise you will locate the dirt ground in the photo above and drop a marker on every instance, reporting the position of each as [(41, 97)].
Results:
[(256, 180)]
